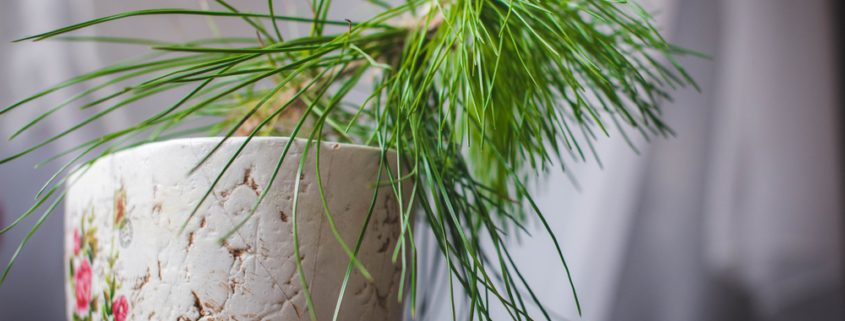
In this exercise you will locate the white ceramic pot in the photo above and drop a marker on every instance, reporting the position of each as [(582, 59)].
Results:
[(126, 260)]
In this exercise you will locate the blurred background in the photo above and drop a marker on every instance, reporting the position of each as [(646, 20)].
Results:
[(740, 217)]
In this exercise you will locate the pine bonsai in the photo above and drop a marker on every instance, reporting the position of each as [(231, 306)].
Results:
[(477, 97)]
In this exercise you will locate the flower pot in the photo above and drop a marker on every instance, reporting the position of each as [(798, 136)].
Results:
[(126, 259)]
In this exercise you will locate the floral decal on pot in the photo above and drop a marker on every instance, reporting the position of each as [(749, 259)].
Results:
[(82, 284), (121, 223), (119, 209), (120, 307), (97, 304)]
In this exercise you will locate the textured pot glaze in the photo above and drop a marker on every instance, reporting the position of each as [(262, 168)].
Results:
[(127, 261)]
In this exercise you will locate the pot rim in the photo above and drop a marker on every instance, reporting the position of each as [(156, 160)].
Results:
[(216, 139), (208, 140), (239, 139)]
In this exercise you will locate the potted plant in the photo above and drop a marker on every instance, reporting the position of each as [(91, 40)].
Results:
[(304, 200)]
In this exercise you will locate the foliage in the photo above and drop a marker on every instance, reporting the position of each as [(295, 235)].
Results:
[(477, 97)]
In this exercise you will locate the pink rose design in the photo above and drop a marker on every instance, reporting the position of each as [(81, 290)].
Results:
[(77, 241), (120, 308), (82, 280)]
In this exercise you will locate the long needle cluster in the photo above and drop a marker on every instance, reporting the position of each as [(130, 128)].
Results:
[(477, 97)]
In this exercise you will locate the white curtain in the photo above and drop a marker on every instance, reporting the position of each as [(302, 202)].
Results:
[(738, 218), (34, 289)]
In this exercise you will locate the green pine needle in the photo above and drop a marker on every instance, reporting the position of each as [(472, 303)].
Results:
[(476, 98)]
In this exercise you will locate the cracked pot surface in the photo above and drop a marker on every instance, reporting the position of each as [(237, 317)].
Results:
[(127, 261)]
